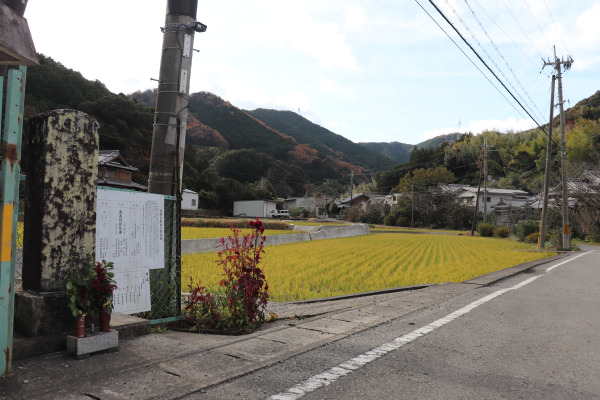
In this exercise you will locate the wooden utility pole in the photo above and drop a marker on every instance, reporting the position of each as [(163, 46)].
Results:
[(484, 180), (170, 117), (558, 64), (542, 239), (477, 199), (351, 185)]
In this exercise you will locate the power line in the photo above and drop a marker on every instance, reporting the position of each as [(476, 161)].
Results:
[(468, 58), (536, 22), (504, 59), (484, 63), (522, 30), (507, 35), (556, 27)]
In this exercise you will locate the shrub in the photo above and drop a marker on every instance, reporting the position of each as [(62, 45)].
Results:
[(228, 223), (485, 230), (240, 301), (526, 228), (594, 238), (502, 232), (534, 237), (389, 220), (402, 221)]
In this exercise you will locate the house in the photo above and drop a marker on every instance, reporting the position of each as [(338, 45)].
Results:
[(356, 200), (467, 195), (189, 200), (114, 171)]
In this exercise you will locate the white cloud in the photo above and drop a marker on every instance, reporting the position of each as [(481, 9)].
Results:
[(290, 25), (476, 127), (329, 86), (354, 18)]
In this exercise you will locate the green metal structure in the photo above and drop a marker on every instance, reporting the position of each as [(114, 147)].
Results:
[(10, 177)]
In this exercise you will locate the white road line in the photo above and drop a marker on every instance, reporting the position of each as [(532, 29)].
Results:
[(331, 375), (564, 262)]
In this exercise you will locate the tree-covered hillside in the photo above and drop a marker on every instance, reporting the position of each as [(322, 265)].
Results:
[(321, 139), (401, 151)]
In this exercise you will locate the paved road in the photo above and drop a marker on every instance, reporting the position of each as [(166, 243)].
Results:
[(534, 336)]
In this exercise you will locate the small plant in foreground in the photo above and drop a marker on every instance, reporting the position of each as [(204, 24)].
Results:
[(240, 302)]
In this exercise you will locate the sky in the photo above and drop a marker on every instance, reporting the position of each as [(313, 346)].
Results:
[(370, 70)]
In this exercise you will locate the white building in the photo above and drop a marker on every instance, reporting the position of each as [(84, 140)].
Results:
[(189, 200), (467, 195)]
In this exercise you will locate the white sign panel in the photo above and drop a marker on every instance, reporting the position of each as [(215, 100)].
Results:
[(130, 230), (130, 233), (133, 291)]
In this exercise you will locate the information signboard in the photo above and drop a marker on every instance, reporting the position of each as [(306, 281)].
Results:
[(130, 233)]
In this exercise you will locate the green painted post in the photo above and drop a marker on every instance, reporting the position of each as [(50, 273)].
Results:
[(10, 176)]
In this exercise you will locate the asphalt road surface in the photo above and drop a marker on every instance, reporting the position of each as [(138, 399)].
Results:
[(533, 336)]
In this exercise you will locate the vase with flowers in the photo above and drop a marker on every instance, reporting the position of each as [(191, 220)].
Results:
[(102, 286), (78, 296)]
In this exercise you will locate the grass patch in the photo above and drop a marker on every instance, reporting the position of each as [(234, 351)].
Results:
[(323, 268), (188, 232), (235, 222), (383, 228)]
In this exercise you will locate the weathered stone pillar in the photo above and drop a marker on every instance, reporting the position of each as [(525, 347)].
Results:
[(60, 214)]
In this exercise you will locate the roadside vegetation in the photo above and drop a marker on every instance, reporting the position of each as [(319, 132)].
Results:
[(324, 268), (188, 232)]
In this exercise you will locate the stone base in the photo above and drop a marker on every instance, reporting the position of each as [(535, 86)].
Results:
[(92, 343), (42, 313)]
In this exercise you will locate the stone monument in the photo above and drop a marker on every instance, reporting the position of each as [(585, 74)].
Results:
[(60, 215)]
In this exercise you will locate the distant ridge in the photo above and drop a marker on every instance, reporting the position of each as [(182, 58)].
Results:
[(401, 151)]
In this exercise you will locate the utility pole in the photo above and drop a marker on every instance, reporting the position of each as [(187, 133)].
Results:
[(170, 117), (542, 239), (557, 63), (477, 198), (484, 180), (351, 185), (412, 204)]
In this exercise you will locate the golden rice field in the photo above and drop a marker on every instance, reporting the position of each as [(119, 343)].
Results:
[(335, 267), (188, 232)]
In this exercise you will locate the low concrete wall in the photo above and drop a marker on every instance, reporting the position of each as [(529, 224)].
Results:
[(328, 232), (341, 232)]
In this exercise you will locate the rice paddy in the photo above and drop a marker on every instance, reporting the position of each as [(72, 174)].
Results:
[(335, 267)]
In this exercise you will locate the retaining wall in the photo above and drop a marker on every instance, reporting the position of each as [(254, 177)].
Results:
[(322, 232)]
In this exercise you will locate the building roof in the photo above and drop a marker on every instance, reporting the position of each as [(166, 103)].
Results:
[(506, 192), (103, 181), (113, 159)]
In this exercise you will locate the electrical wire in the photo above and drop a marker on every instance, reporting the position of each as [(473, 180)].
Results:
[(502, 56), (537, 23), (556, 27), (484, 63)]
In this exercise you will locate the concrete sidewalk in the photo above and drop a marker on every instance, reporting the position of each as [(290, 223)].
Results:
[(172, 365)]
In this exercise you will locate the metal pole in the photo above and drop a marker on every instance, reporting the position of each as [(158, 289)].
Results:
[(563, 161), (10, 176), (542, 239), (170, 119)]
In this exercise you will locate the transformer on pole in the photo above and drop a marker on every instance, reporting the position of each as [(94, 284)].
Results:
[(170, 118)]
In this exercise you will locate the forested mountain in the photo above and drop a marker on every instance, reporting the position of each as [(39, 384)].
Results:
[(401, 151), (321, 139), (125, 125), (232, 154)]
